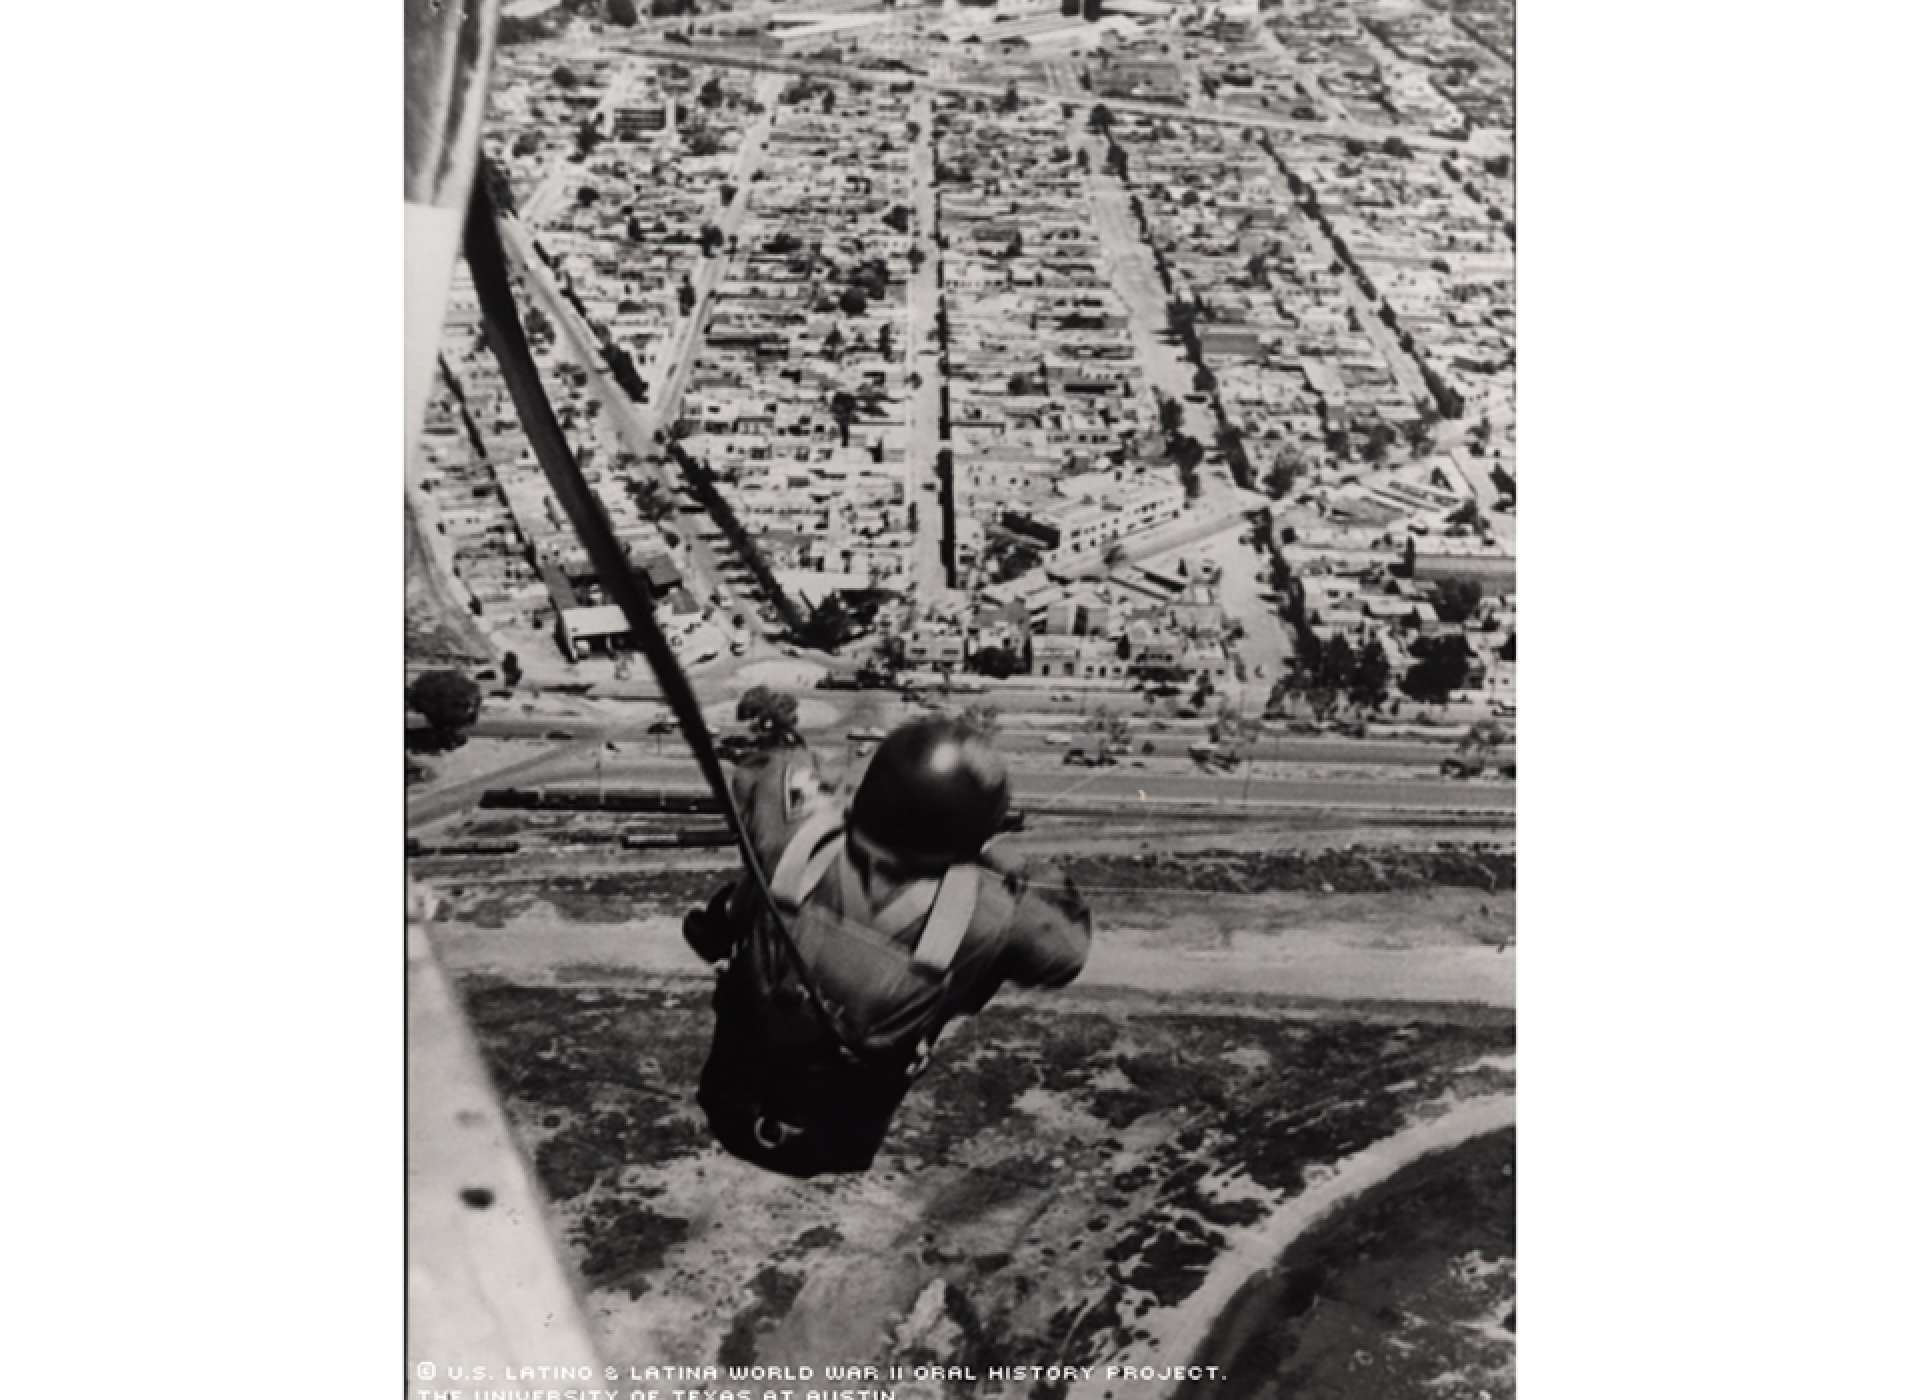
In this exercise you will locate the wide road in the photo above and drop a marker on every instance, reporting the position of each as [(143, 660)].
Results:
[(1039, 785), (1332, 130), (923, 358), (1328, 752), (636, 425)]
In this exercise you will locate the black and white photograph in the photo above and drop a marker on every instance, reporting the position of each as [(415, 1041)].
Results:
[(952, 825), (962, 724)]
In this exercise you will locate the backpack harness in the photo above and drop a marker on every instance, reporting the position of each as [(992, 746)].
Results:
[(816, 851)]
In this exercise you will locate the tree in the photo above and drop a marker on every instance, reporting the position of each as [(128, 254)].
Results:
[(842, 407), (1441, 671), (1100, 119), (539, 328), (1457, 599), (1172, 414), (1338, 664), (651, 498), (510, 669), (711, 93), (1372, 676), (829, 626), (898, 218), (1008, 101), (1080, 159), (449, 701), (853, 302), (1287, 466), (711, 239), (1380, 438), (687, 297), (564, 78), (622, 13), (772, 717), (1396, 148), (996, 661), (1007, 557)]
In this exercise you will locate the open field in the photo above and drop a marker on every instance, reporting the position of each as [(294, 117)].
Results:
[(1062, 1182), (1274, 1036)]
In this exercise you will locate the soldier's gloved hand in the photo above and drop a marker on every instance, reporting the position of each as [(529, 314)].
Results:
[(709, 931)]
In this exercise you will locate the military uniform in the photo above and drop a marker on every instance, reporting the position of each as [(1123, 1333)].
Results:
[(892, 961)]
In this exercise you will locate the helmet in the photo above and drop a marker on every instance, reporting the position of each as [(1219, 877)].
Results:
[(934, 793)]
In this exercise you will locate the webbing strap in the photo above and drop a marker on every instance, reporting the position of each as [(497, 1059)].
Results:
[(818, 864), (906, 907), (951, 914), (508, 340), (789, 884)]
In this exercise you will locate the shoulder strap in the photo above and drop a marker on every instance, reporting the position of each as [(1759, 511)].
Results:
[(906, 908), (948, 920), (808, 854)]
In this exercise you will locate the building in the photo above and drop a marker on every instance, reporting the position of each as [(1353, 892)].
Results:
[(641, 121), (1069, 528)]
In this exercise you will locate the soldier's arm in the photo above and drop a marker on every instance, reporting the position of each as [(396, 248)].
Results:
[(1051, 930)]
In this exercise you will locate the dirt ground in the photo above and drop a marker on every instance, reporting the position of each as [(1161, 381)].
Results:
[(1064, 1176), (1271, 1033)]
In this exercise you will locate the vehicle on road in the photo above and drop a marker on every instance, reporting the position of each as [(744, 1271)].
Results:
[(1058, 741), (559, 734)]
